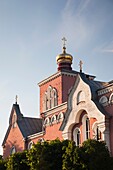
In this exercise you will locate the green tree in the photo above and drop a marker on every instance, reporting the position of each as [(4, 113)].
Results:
[(2, 163), (34, 156), (69, 156), (47, 155), (95, 155), (92, 155), (18, 161)]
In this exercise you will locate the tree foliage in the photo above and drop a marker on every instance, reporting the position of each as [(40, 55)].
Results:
[(92, 155), (2, 163), (47, 155), (61, 155), (18, 161)]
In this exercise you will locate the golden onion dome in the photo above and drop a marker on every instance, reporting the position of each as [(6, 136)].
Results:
[(64, 57)]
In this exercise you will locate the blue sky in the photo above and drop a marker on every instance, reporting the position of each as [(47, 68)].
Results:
[(30, 40)]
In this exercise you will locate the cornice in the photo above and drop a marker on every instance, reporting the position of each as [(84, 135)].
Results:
[(36, 135), (105, 90), (57, 74), (55, 109)]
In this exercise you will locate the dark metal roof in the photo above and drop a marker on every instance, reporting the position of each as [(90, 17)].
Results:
[(30, 126), (94, 86), (27, 125)]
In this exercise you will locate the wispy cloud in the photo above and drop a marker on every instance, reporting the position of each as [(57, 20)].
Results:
[(82, 27), (108, 51), (106, 47)]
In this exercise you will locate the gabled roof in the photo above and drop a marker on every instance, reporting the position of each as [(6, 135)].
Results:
[(27, 125), (94, 86)]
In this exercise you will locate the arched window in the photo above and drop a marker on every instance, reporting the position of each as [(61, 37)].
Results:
[(86, 127), (76, 136), (53, 119), (60, 117), (50, 98), (97, 135), (80, 97), (13, 150), (14, 121), (103, 100), (30, 145), (111, 99), (54, 97), (45, 102), (46, 121)]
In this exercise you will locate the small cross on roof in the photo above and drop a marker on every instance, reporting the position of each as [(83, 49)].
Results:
[(16, 99), (80, 64), (64, 41)]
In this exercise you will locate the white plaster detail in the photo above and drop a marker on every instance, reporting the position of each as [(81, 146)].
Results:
[(75, 110), (55, 109), (103, 100), (60, 117), (84, 118), (80, 97), (46, 122), (111, 99), (30, 145), (53, 119), (104, 91), (76, 136), (14, 120), (50, 98)]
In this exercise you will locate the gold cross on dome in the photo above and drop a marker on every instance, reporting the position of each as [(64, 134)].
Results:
[(16, 99), (64, 41), (80, 64)]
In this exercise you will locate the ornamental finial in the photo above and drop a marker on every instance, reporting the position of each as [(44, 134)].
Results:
[(64, 41), (80, 64), (16, 99), (64, 44)]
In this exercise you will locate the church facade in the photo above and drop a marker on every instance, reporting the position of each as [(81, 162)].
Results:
[(73, 105)]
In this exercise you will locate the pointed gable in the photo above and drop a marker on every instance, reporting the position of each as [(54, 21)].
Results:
[(84, 92), (27, 125)]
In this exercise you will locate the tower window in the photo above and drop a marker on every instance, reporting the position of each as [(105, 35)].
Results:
[(50, 98)]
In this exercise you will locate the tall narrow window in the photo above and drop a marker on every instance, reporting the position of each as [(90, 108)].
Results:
[(87, 128), (14, 121), (50, 98), (98, 136), (13, 150), (76, 136), (111, 99)]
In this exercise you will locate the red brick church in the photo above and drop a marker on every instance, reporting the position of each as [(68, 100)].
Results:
[(73, 105)]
